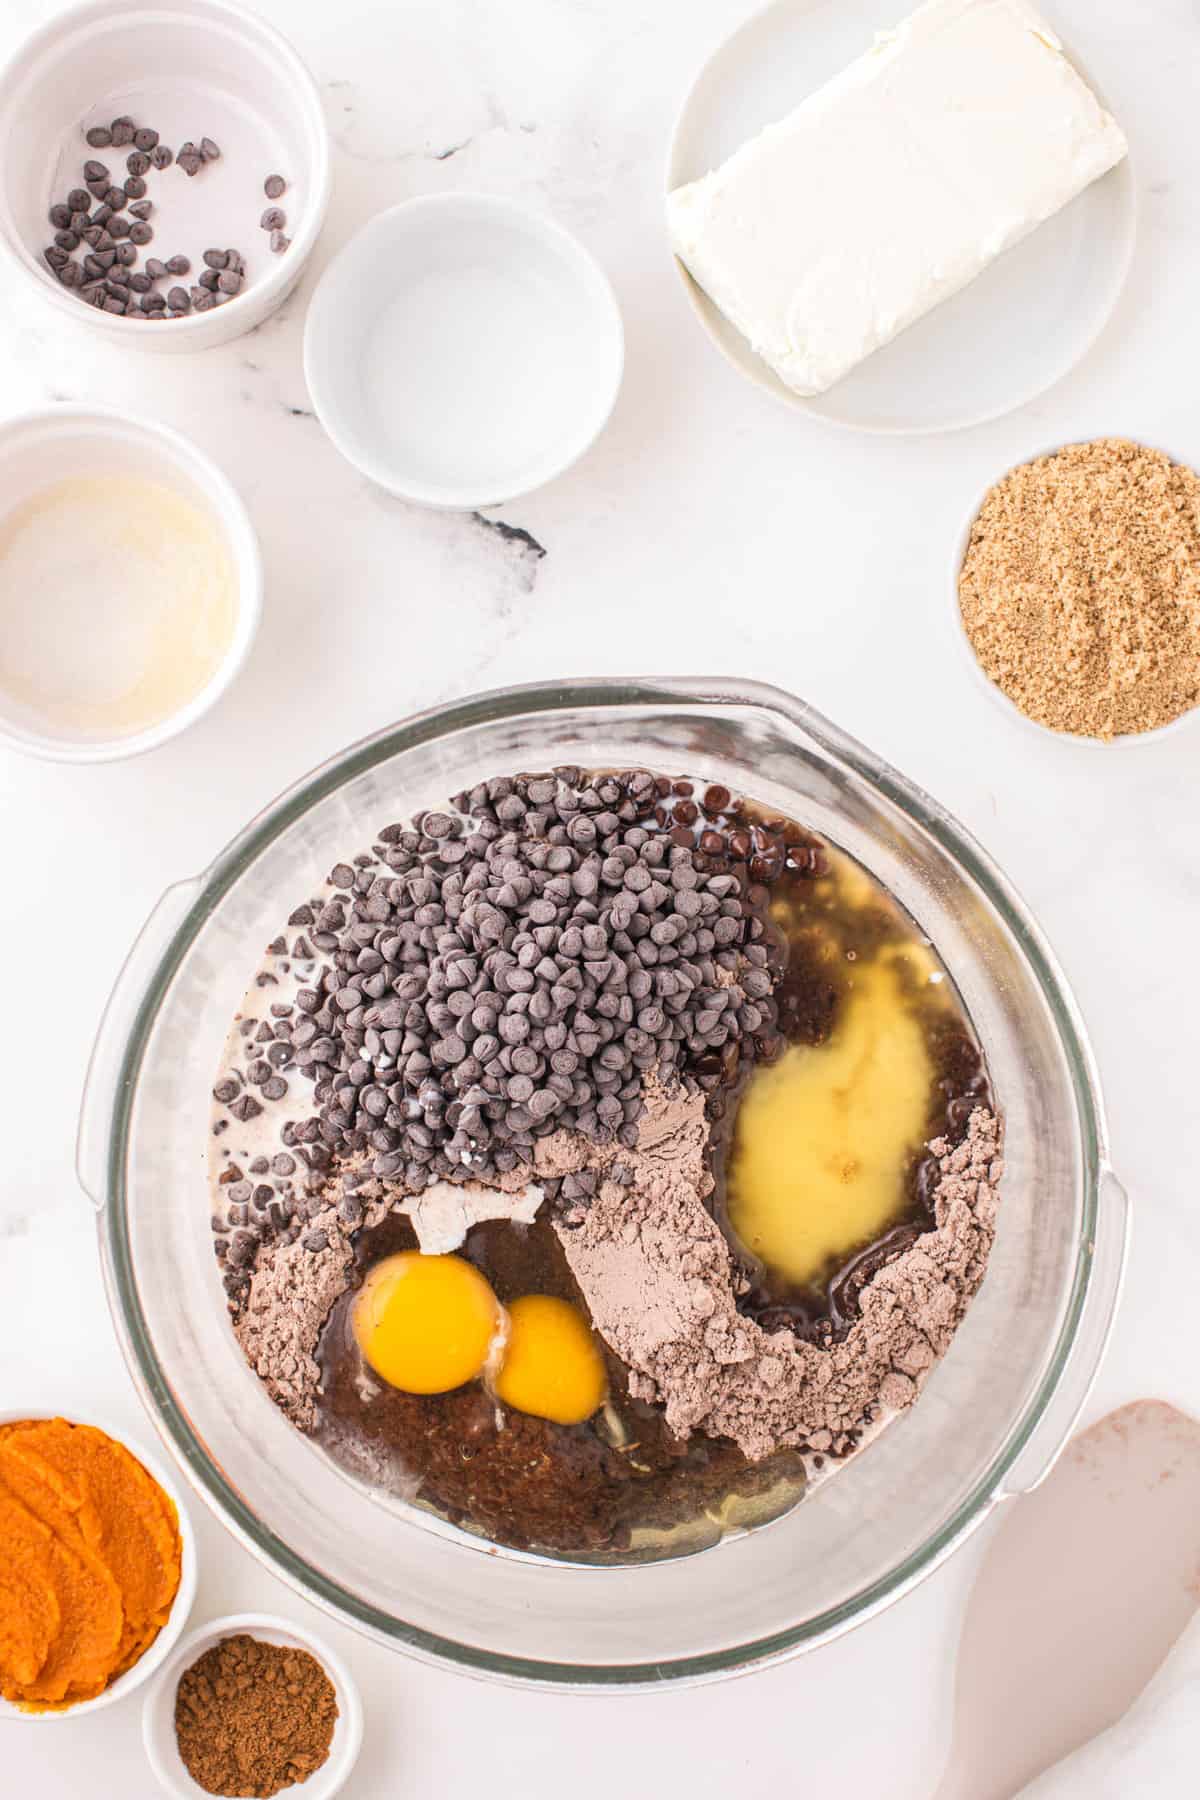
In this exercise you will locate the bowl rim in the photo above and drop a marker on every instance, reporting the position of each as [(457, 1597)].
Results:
[(347, 1733), (273, 286), (1124, 740), (115, 1251), (471, 204), (153, 1658), (232, 519)]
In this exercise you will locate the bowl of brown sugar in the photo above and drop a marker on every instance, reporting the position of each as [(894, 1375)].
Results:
[(1077, 591), (249, 1706)]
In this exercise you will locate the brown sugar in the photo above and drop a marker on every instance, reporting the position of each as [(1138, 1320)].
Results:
[(253, 1717), (1080, 588)]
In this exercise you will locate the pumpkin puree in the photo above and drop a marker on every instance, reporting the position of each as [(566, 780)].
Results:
[(90, 1559)]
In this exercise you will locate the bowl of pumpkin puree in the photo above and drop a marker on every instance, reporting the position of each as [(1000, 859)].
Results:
[(97, 1566)]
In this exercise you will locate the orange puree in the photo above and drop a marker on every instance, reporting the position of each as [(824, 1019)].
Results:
[(89, 1561)]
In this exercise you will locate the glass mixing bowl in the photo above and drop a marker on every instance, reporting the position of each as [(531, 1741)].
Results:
[(994, 1413)]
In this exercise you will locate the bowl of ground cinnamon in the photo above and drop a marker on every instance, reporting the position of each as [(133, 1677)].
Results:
[(97, 1566), (250, 1706), (1078, 591)]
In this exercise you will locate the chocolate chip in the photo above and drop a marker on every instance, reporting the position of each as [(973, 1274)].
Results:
[(118, 226), (273, 186), (145, 138), (95, 171), (140, 283), (99, 137), (189, 162), (155, 269), (152, 302), (126, 254), (140, 233), (229, 281), (60, 216), (135, 187), (178, 265), (208, 278), (141, 209), (137, 162), (208, 150), (180, 299), (273, 219), (67, 240), (162, 157), (121, 131), (78, 200), (216, 259)]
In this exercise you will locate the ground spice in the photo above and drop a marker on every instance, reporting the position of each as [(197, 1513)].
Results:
[(1080, 588), (252, 1717)]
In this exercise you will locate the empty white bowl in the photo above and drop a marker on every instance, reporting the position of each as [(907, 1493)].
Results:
[(158, 1716), (461, 350), (40, 449), (154, 1658), (189, 69)]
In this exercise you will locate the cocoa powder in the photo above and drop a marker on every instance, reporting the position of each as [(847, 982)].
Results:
[(661, 1286)]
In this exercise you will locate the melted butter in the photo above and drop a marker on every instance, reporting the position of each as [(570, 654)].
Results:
[(117, 604), (823, 1137)]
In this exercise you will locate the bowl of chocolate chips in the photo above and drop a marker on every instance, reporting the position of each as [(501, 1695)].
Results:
[(603, 1184)]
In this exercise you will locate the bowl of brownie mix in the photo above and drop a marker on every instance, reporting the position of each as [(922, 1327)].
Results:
[(603, 1184)]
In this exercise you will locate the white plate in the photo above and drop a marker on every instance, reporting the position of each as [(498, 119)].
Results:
[(462, 350), (1017, 329)]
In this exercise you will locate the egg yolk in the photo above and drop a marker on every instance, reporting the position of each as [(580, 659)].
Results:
[(426, 1324), (552, 1367)]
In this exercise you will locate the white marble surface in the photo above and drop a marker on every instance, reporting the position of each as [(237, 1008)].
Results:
[(709, 531)]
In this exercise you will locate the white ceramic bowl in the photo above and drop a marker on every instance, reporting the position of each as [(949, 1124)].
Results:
[(1185, 721), (189, 68), (461, 350), (1010, 334), (158, 1715), (168, 1637), (41, 448)]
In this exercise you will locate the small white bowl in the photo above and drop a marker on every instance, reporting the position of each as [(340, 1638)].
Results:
[(190, 69), (168, 1637), (158, 1714), (967, 649), (461, 351), (41, 448)]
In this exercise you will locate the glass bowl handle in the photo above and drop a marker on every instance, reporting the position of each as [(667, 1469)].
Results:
[(1054, 1429), (102, 1081)]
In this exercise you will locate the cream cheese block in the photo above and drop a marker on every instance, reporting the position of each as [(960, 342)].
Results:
[(893, 186)]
